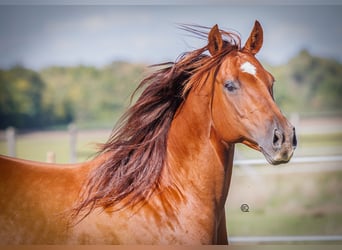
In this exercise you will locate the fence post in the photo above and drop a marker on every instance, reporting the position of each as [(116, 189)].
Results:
[(73, 139), (50, 157), (10, 138)]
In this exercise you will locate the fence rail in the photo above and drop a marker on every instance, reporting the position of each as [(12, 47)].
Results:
[(318, 164), (312, 159), (286, 239)]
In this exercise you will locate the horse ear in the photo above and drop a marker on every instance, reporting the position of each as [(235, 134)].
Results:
[(215, 42), (254, 42)]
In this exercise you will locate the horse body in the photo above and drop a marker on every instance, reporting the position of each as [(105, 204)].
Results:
[(38, 194), (30, 193), (164, 177)]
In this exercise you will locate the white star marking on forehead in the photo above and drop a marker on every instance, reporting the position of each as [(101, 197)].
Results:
[(248, 68)]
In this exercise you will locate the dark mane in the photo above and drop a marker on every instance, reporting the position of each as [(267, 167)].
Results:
[(136, 150)]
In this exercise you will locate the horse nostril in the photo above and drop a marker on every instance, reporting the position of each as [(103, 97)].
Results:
[(275, 138), (278, 139), (294, 139)]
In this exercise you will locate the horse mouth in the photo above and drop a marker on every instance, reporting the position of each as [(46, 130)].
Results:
[(274, 157), (278, 158)]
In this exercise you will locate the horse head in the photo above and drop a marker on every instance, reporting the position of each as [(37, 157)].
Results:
[(243, 100)]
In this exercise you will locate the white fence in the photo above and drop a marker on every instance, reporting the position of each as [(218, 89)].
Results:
[(10, 135)]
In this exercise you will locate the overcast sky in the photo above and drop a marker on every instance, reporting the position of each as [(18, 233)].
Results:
[(38, 36)]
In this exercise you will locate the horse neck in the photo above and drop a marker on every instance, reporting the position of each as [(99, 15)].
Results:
[(199, 161)]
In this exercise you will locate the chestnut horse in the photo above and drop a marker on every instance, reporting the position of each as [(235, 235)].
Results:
[(163, 175)]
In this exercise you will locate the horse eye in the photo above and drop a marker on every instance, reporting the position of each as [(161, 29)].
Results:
[(230, 86)]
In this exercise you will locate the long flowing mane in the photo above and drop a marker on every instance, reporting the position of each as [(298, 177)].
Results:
[(136, 149)]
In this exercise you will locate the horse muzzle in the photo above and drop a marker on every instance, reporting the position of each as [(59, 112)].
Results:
[(281, 147)]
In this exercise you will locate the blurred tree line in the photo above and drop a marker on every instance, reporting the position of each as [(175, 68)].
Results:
[(90, 95), (309, 85), (21, 99), (60, 95)]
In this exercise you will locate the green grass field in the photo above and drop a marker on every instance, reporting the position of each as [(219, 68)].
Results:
[(298, 203)]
